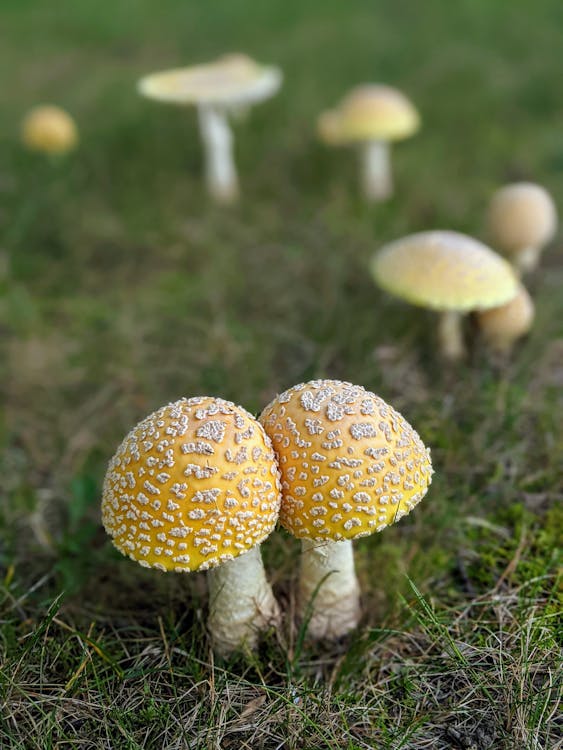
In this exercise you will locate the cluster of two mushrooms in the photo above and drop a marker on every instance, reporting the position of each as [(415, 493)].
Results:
[(371, 116), (198, 485), (455, 274), (521, 219)]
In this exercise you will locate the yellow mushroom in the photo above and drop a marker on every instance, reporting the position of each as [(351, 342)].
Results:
[(371, 116), (448, 272), (522, 219), (503, 326), (218, 89), (50, 130), (195, 486), (350, 466)]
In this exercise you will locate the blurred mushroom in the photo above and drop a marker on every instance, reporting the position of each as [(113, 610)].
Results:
[(371, 115), (49, 129), (195, 486), (230, 85), (522, 219), (350, 465), (448, 272), (503, 326)]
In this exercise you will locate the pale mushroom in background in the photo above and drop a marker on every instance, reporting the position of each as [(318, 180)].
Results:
[(350, 466), (448, 272), (502, 326), (522, 219), (195, 486), (371, 116), (49, 130), (228, 86)]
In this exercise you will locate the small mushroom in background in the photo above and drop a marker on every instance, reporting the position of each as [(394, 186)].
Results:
[(195, 486), (522, 219), (502, 326), (371, 116), (350, 465), (445, 271), (228, 86), (49, 130)]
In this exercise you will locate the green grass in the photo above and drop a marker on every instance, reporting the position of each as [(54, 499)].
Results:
[(122, 288)]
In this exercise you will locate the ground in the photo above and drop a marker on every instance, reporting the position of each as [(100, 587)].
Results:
[(122, 288)]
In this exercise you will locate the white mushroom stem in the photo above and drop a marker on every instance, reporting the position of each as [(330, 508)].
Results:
[(377, 182), (526, 259), (329, 594), (220, 169), (241, 602), (450, 335)]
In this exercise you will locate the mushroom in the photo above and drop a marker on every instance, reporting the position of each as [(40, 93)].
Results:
[(522, 219), (371, 115), (195, 486), (49, 129), (503, 326), (227, 86), (445, 271), (350, 465)]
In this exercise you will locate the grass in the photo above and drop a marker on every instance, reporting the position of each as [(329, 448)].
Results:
[(122, 289)]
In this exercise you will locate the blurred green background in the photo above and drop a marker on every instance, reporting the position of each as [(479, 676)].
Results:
[(122, 288)]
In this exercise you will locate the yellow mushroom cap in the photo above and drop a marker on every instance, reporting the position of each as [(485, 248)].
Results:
[(230, 80), (369, 112), (194, 484), (444, 270), (49, 129), (503, 325), (522, 215), (350, 464)]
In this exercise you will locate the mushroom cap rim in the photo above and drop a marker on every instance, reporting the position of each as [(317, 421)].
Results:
[(351, 123), (261, 87), (210, 564), (443, 305)]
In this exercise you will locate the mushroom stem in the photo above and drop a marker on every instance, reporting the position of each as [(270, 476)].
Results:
[(220, 169), (450, 335), (377, 182), (328, 589), (526, 259), (241, 602)]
